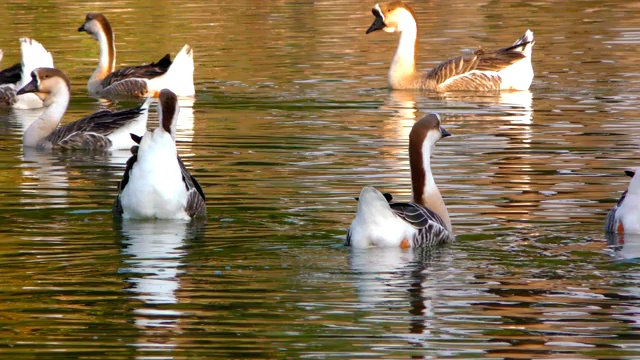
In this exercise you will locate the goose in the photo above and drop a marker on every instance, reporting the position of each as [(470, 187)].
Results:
[(422, 222), (624, 218), (156, 184), (506, 69), (136, 81), (13, 78), (103, 130)]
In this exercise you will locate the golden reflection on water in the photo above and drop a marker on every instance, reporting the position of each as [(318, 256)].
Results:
[(291, 119)]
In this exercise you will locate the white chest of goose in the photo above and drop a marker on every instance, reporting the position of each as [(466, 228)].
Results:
[(103, 130), (508, 68), (424, 221), (137, 81), (156, 184)]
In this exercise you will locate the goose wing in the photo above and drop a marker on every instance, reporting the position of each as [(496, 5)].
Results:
[(92, 131), (477, 70), (7, 95), (117, 205), (196, 205), (134, 87), (148, 71), (8, 78), (610, 223), (11, 75), (431, 228)]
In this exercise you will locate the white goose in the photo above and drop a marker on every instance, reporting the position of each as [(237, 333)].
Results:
[(624, 218), (156, 184), (505, 69), (34, 55), (422, 222), (103, 130), (137, 81)]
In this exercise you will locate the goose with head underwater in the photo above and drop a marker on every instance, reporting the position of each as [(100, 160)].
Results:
[(624, 218), (424, 221), (135, 81), (156, 184), (33, 55), (508, 68), (104, 130)]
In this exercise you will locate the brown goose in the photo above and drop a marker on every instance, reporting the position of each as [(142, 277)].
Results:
[(137, 81), (482, 70), (422, 222), (104, 130)]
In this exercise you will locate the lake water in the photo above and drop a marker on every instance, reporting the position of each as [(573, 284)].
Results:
[(292, 117)]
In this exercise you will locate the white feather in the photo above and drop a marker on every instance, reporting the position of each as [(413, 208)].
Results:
[(155, 188), (376, 224), (179, 77), (34, 55)]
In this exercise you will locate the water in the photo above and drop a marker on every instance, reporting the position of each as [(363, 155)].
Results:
[(291, 119)]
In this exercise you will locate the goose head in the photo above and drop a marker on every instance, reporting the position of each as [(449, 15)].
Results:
[(425, 134), (168, 111), (393, 17), (48, 84), (95, 24)]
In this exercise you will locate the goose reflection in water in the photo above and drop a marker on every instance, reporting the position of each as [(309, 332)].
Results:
[(153, 254), (624, 246), (394, 278), (45, 175), (510, 115)]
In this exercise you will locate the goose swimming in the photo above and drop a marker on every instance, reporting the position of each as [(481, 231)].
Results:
[(508, 68), (137, 81), (424, 221), (156, 184), (103, 130)]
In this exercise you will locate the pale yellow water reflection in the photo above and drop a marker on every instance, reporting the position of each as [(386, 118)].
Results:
[(290, 120)]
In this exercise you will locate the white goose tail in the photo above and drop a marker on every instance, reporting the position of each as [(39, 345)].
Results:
[(375, 223), (34, 55), (179, 77), (526, 41), (519, 76)]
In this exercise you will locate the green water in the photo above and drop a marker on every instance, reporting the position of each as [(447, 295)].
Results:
[(290, 120)]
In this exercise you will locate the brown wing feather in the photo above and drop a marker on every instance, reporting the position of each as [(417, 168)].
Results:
[(142, 71), (84, 140), (196, 206), (465, 72), (117, 205), (94, 126), (127, 87), (7, 95)]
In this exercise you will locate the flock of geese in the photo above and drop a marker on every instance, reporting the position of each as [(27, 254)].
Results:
[(156, 183)]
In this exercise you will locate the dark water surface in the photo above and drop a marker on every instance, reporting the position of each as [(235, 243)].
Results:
[(291, 119)]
